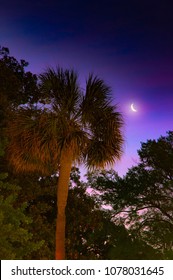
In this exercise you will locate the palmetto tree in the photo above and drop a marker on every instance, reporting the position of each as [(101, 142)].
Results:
[(79, 126)]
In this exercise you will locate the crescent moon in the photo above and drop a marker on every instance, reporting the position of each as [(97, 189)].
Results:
[(132, 108)]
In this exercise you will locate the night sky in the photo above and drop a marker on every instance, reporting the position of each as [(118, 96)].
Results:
[(128, 43)]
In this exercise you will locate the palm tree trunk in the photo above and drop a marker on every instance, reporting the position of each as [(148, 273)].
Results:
[(62, 194)]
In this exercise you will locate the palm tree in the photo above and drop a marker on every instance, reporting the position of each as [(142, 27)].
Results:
[(77, 126)]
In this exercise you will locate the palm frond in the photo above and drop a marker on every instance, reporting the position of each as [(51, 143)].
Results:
[(62, 86), (32, 144), (104, 124), (96, 99)]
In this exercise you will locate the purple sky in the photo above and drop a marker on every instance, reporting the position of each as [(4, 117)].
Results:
[(127, 43)]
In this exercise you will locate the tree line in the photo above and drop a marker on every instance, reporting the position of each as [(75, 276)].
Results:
[(48, 124)]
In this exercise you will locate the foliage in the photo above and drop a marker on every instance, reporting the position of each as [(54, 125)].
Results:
[(143, 199), (16, 85), (100, 237), (15, 237), (158, 154), (40, 194)]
